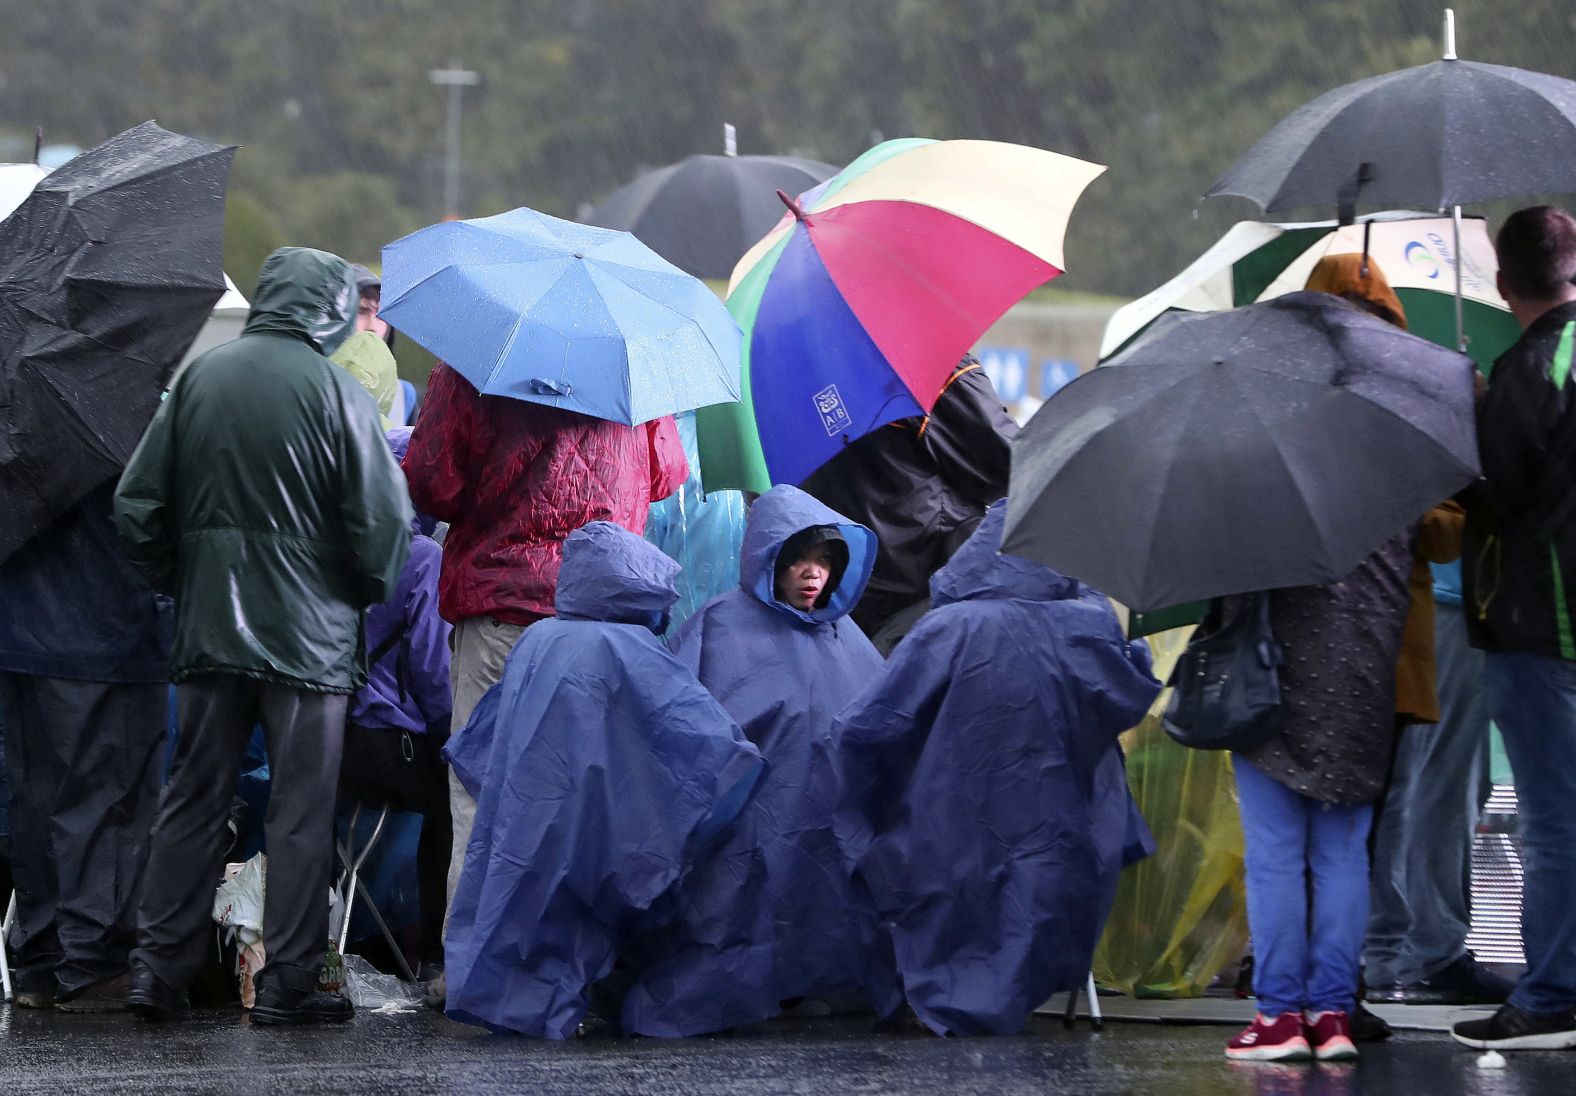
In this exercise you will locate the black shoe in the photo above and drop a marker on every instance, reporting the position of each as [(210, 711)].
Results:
[(289, 995), (1512, 1029), (1464, 982), (149, 997), (314, 1008), (1367, 1027)]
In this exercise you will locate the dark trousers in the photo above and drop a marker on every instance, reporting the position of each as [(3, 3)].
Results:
[(407, 771), (304, 731), (83, 761)]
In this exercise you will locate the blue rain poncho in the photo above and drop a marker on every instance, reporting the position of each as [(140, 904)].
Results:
[(772, 916), (985, 807), (601, 770), (700, 529)]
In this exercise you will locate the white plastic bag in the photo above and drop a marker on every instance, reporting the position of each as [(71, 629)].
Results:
[(370, 990), (238, 906)]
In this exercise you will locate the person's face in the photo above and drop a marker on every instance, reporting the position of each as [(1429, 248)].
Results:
[(367, 316), (806, 578)]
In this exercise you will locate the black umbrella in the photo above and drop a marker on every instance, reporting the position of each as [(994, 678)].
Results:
[(1445, 134), (107, 272), (704, 212), (1273, 445), (1438, 136)]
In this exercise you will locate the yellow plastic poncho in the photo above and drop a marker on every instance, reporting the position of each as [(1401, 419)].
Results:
[(365, 357), (1181, 915)]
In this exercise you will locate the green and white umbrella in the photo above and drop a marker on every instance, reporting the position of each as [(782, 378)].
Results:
[(1256, 261)]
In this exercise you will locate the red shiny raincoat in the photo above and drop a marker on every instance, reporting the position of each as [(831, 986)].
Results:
[(513, 479)]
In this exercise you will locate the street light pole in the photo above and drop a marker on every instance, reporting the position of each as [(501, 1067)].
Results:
[(456, 80)]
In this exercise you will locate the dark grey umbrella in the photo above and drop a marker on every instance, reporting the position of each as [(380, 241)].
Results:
[(1273, 445), (704, 212), (107, 271), (1446, 134)]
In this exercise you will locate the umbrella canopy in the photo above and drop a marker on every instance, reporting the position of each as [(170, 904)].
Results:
[(1439, 135), (858, 305), (702, 213), (535, 308), (16, 183), (1258, 262), (1273, 445), (108, 269)]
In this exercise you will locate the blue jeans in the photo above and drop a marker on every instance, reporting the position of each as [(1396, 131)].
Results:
[(1420, 905), (1303, 959), (1533, 700)]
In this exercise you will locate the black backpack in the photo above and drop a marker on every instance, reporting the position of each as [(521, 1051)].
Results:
[(1226, 688)]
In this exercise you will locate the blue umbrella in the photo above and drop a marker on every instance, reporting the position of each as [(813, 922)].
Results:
[(534, 308)]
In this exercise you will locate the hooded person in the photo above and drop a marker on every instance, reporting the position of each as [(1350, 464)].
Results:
[(265, 499), (985, 807), (368, 359), (922, 484), (400, 408), (772, 917), (602, 770)]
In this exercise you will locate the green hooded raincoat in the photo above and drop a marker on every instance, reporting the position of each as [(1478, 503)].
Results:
[(264, 497)]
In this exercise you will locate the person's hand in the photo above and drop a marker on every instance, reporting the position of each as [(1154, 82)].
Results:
[(1479, 387)]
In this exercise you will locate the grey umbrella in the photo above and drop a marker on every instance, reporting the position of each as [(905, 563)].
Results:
[(1273, 445)]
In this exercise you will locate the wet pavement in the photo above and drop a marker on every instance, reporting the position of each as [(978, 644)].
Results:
[(422, 1052)]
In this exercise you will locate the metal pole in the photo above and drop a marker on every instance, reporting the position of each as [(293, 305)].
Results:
[(1455, 211), (451, 160), (456, 80), (1461, 335)]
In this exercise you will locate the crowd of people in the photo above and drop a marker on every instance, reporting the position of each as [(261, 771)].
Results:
[(881, 772)]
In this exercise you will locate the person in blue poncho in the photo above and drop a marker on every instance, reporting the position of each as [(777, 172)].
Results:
[(772, 916), (601, 770), (985, 807)]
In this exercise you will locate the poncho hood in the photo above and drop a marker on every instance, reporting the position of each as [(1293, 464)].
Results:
[(774, 518), (306, 294), (610, 574)]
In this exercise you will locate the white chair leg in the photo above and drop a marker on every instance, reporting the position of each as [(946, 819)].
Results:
[(5, 958), (351, 886)]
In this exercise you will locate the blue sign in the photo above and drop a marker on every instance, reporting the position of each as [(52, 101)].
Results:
[(1055, 373), (1008, 369)]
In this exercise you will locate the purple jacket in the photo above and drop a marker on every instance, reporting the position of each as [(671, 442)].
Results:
[(408, 679)]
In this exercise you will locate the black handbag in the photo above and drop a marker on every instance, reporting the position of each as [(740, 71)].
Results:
[(1226, 688)]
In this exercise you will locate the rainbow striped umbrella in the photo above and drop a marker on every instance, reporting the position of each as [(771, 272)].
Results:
[(856, 307)]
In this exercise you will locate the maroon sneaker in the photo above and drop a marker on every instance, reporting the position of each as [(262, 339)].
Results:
[(1330, 1036), (1265, 1040)]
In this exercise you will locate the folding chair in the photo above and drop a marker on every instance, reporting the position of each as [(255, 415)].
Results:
[(5, 959), (350, 884), (1070, 1017)]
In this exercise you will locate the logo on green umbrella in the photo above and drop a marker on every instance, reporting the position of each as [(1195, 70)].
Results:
[(1420, 258)]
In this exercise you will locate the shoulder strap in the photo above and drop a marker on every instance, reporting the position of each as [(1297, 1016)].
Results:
[(390, 642)]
